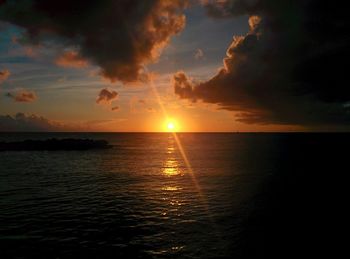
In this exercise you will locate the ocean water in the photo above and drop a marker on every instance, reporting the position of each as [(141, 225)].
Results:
[(156, 196)]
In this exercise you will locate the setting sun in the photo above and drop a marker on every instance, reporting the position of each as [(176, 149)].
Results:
[(171, 126)]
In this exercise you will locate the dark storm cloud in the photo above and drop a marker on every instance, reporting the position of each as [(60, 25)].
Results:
[(117, 35), (24, 122), (106, 96), (290, 68), (183, 86), (23, 96)]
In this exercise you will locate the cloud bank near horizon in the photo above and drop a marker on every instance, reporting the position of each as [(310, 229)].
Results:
[(22, 122)]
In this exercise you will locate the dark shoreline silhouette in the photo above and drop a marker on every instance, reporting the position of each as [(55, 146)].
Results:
[(54, 145)]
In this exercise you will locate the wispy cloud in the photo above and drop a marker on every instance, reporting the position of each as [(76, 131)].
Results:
[(199, 54), (23, 96), (71, 59)]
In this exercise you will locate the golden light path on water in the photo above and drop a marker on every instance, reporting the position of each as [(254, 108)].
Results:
[(171, 166), (182, 152)]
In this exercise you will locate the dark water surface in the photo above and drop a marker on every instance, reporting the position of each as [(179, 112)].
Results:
[(244, 195)]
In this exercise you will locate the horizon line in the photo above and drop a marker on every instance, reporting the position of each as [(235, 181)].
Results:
[(179, 132)]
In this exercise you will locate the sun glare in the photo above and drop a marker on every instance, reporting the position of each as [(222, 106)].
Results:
[(170, 126)]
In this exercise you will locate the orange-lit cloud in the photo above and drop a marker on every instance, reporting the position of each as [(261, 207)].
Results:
[(106, 97), (23, 96), (4, 74), (71, 59)]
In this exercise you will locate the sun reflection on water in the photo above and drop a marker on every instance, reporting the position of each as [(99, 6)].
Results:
[(171, 165), (171, 188), (171, 168)]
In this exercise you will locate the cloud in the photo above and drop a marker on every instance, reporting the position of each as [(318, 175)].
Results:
[(4, 74), (199, 54), (183, 86), (106, 96), (71, 59), (23, 96), (290, 68), (151, 110), (229, 8), (115, 108), (138, 105), (118, 36), (24, 122)]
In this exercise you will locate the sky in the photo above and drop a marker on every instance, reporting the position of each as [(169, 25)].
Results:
[(227, 66)]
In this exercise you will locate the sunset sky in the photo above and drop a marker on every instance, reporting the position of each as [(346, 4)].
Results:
[(234, 65)]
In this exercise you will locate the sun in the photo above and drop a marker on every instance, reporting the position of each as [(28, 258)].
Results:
[(170, 125)]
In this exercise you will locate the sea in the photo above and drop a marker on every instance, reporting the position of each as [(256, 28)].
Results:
[(183, 195)]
